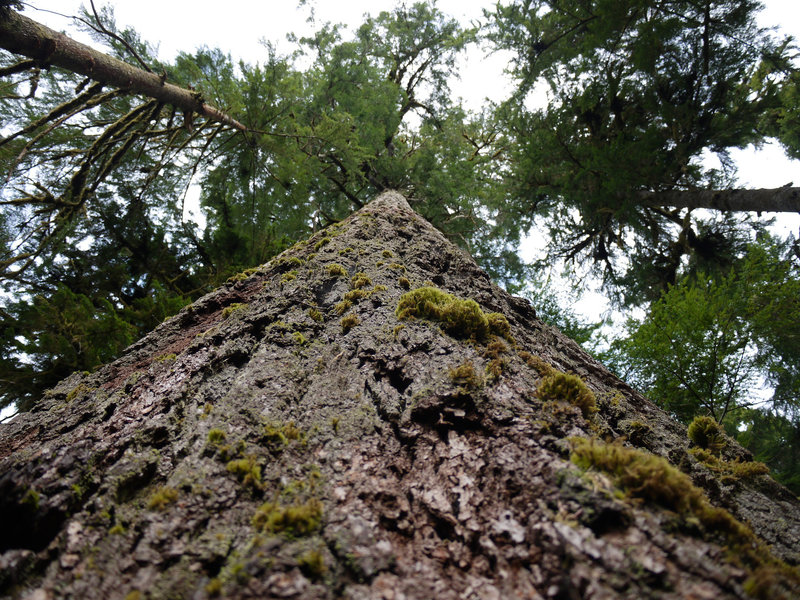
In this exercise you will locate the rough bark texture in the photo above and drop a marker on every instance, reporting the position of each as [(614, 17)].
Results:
[(784, 199), (21, 35), (271, 442)]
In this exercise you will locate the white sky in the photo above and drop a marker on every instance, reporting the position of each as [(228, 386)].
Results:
[(238, 26)]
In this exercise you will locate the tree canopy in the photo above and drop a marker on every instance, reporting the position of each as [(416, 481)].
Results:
[(638, 93)]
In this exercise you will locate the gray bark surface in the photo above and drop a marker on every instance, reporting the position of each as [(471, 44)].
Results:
[(24, 36), (252, 447), (783, 199)]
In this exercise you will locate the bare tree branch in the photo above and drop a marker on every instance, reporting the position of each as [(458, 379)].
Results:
[(21, 35), (783, 199)]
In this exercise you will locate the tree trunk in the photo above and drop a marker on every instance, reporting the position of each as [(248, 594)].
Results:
[(783, 199), (21, 35), (295, 434)]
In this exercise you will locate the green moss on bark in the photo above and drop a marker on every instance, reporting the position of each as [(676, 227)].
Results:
[(564, 387), (162, 498), (292, 520), (706, 433), (458, 317), (649, 478)]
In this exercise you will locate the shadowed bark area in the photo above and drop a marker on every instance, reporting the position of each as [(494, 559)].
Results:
[(289, 436)]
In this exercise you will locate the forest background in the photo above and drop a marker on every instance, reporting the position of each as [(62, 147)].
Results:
[(549, 176)]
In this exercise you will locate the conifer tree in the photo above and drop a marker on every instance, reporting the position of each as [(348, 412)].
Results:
[(637, 93)]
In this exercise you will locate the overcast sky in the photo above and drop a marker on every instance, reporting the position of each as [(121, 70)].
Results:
[(177, 25)]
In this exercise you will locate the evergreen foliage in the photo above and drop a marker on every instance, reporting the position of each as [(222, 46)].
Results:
[(707, 345), (637, 94)]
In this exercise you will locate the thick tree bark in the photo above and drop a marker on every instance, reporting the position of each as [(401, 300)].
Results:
[(290, 436), (783, 199), (21, 35)]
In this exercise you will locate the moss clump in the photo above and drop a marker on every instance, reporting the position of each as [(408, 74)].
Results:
[(281, 326), (165, 357), (312, 564), (499, 325), (216, 436), (315, 315), (564, 387), (336, 270), (79, 390), (78, 490), (214, 587), (387, 254), (466, 378), (404, 283), (636, 431), (321, 243), (729, 471), (225, 452), (292, 520), (162, 498), (706, 433), (495, 368), (31, 498), (356, 295), (359, 281), (229, 310), (537, 364), (117, 529), (342, 307), (242, 276), (397, 329), (247, 471), (299, 338), (396, 267), (459, 318), (773, 581), (289, 261), (497, 365), (347, 250), (290, 276), (641, 475), (278, 436), (348, 322), (650, 478)]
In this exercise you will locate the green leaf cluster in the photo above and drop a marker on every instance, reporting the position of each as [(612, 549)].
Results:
[(714, 341)]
